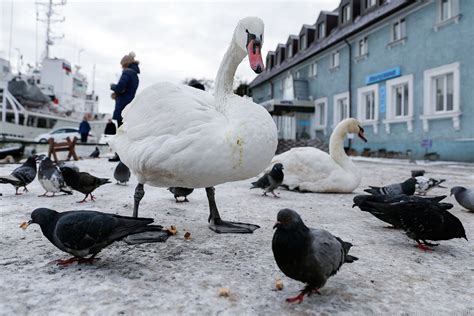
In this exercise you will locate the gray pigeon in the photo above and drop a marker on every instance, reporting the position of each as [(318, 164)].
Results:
[(407, 187), (23, 175), (95, 153), (122, 173), (84, 233), (465, 197), (424, 184), (306, 254), (270, 180), (179, 192), (51, 178)]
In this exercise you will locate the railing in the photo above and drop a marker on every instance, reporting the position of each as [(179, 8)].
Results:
[(8, 98)]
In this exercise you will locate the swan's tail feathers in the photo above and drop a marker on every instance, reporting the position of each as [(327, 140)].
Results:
[(10, 180), (373, 190)]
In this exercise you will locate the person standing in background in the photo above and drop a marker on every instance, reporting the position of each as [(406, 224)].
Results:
[(126, 88), (124, 91), (110, 128), (84, 129)]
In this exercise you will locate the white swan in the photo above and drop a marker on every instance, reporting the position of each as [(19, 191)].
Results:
[(311, 169), (178, 136)]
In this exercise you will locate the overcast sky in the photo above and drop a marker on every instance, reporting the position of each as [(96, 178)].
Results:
[(172, 40)]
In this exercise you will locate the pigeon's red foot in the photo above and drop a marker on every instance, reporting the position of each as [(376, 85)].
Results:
[(66, 262), (296, 299), (423, 247), (92, 198)]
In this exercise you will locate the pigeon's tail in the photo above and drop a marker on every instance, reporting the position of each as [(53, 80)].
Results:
[(254, 185), (10, 180), (103, 181), (373, 190), (347, 246), (149, 228), (67, 191)]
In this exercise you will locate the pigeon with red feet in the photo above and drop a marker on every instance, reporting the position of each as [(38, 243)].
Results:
[(23, 175), (84, 234), (306, 254)]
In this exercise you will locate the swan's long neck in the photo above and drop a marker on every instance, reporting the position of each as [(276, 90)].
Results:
[(225, 75), (336, 147)]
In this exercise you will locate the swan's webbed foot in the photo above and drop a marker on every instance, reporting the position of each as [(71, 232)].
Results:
[(224, 227)]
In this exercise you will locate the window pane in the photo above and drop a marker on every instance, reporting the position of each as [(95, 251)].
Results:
[(402, 28), (449, 92), (396, 28), (439, 86), (405, 99)]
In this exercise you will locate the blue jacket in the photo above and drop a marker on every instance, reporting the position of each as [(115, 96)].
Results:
[(125, 89), (84, 127)]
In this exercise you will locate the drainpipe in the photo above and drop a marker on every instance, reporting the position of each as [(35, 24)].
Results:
[(349, 84)]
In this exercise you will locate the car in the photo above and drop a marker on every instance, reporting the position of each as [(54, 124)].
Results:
[(62, 133)]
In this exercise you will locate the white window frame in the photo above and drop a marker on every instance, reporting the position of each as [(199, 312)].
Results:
[(346, 13), (313, 69), (429, 99), (453, 17), (401, 25), (289, 49), (361, 106), (362, 52), (370, 3), (303, 40), (333, 59), (322, 29), (317, 126), (336, 114), (390, 104)]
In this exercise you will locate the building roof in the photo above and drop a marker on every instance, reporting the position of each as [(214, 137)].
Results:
[(337, 35)]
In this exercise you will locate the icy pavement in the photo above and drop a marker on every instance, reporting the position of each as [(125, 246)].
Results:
[(182, 277)]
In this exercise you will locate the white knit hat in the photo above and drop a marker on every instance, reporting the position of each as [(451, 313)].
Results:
[(129, 59)]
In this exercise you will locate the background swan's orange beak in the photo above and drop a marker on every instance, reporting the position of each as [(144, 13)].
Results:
[(255, 56)]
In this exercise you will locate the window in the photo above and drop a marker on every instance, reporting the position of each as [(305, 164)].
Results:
[(289, 50), (443, 92), (278, 57), (346, 13), (321, 30), (368, 105), (399, 99), (446, 10), (398, 30), (303, 42), (362, 47), (370, 3), (313, 69), (320, 113), (298, 74), (341, 107), (335, 59)]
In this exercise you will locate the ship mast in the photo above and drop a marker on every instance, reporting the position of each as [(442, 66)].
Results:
[(50, 13)]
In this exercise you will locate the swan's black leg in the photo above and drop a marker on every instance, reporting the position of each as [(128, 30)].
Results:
[(139, 193), (218, 225)]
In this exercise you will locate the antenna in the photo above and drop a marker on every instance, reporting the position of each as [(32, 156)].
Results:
[(50, 13)]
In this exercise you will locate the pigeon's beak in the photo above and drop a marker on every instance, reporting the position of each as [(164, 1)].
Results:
[(354, 205), (277, 224), (25, 225), (442, 186)]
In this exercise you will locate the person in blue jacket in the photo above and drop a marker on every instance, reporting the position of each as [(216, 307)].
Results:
[(125, 89), (84, 129)]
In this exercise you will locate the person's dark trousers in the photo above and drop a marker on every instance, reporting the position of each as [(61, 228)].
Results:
[(84, 138), (116, 157), (119, 122)]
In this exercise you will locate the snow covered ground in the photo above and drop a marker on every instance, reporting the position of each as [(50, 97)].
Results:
[(182, 277)]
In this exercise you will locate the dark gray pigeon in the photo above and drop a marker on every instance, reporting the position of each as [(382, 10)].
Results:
[(122, 173), (377, 204), (465, 197), (424, 184), (86, 233), (180, 192), (82, 182), (407, 187), (23, 175), (307, 254), (270, 180), (51, 178), (95, 153), (422, 220)]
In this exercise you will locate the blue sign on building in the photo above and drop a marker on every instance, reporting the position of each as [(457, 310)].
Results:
[(384, 75), (382, 98)]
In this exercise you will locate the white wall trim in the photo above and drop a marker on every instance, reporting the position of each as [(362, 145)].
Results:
[(429, 106), (390, 117), (361, 106)]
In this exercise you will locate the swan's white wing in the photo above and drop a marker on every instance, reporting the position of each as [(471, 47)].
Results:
[(311, 169)]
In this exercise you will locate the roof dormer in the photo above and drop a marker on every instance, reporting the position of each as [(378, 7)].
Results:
[(292, 46), (326, 22), (270, 60), (367, 6), (306, 36), (280, 54)]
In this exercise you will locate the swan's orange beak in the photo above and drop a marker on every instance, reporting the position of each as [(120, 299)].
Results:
[(255, 55)]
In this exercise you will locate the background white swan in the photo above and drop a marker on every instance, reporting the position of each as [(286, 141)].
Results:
[(311, 169), (175, 135)]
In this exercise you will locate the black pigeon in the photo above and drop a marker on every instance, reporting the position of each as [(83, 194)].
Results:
[(179, 192), (122, 173), (408, 187), (82, 182), (51, 178), (306, 254), (23, 175), (270, 180), (84, 233), (95, 153), (421, 219), (376, 204)]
